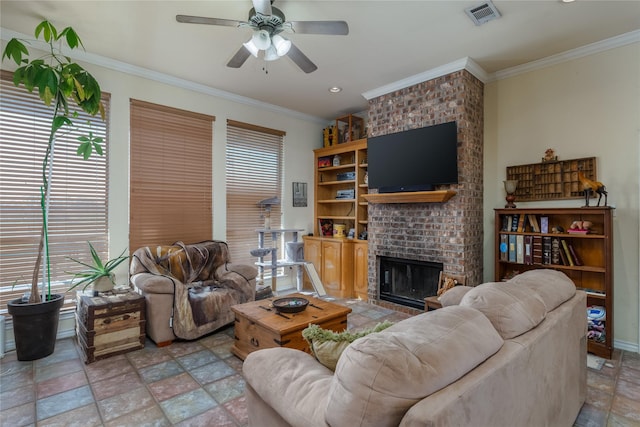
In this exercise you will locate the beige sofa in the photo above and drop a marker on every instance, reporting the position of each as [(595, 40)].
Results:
[(189, 288), (510, 354)]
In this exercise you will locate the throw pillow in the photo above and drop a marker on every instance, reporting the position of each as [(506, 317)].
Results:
[(327, 346)]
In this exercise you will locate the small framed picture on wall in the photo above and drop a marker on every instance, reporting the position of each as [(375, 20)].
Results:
[(299, 194)]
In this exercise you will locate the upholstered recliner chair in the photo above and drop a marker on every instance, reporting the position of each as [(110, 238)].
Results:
[(189, 289)]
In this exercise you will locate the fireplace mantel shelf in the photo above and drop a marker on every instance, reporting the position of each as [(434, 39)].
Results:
[(411, 197)]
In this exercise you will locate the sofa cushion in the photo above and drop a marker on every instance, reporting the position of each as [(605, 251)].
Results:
[(512, 309), (554, 287), (380, 376), (327, 345), (454, 295)]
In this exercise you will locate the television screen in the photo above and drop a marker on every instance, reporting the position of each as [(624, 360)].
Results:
[(414, 160)]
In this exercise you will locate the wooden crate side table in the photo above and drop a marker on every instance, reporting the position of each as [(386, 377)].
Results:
[(110, 323), (258, 326)]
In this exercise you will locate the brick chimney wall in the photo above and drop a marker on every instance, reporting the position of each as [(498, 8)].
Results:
[(450, 233)]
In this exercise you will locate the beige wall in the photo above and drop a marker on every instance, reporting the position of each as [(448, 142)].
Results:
[(584, 107)]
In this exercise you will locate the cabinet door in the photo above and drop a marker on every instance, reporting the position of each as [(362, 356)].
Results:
[(313, 254), (331, 267), (360, 265)]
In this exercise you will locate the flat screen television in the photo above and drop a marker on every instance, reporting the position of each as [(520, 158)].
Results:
[(414, 160)]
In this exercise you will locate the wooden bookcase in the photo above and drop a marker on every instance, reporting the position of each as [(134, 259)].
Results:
[(332, 256), (518, 249)]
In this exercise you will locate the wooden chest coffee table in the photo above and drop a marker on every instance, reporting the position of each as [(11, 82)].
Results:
[(259, 326)]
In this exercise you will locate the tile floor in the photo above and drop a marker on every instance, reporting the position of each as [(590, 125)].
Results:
[(199, 383)]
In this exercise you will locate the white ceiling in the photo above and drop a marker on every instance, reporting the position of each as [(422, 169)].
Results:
[(388, 41)]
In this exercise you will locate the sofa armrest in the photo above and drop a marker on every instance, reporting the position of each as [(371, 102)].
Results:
[(249, 272), (292, 382), (154, 283)]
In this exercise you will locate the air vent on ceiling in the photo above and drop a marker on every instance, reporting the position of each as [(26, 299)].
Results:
[(482, 13)]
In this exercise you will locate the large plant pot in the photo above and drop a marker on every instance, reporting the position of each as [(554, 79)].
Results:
[(35, 326)]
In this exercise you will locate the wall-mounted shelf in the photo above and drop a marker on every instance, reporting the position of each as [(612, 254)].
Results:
[(440, 196), (555, 180)]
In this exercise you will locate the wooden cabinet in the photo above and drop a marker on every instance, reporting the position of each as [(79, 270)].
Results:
[(340, 186), (360, 270), (527, 239), (333, 260)]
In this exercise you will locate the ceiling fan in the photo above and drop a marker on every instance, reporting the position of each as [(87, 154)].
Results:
[(267, 22)]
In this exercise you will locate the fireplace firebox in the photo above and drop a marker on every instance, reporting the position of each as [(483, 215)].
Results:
[(408, 282)]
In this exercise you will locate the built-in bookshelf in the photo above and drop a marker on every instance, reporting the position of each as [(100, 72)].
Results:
[(576, 241)]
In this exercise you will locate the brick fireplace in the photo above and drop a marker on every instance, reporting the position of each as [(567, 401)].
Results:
[(449, 233)]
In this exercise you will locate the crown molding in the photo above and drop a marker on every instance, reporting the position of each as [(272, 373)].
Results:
[(461, 64), (123, 67), (580, 52)]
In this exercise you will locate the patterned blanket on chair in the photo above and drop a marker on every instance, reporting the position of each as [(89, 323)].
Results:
[(202, 297)]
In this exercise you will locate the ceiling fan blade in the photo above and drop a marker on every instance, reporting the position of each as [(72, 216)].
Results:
[(263, 7), (207, 21), (301, 60), (338, 28), (239, 58)]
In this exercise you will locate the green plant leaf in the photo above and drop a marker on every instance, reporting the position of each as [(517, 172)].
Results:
[(49, 31), (60, 121), (73, 40), (15, 49)]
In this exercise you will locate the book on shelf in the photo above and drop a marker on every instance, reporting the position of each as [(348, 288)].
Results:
[(537, 249), (546, 250), (512, 247), (520, 249), (563, 257), (544, 224), (515, 218), (533, 222), (521, 222), (555, 251), (574, 255), (326, 227), (565, 248), (504, 247), (506, 223), (528, 249)]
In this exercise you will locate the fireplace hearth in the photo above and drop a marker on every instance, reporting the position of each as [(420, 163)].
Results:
[(408, 282)]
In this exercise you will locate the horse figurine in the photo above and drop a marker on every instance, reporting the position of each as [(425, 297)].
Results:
[(590, 185)]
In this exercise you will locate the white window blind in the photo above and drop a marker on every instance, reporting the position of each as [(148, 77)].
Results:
[(171, 176), (254, 172), (79, 191)]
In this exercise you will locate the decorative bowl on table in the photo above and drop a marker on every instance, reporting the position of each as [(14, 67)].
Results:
[(290, 305)]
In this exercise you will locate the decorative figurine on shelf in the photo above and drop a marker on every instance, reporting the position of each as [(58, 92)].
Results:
[(549, 156), (590, 185), (510, 186), (580, 227)]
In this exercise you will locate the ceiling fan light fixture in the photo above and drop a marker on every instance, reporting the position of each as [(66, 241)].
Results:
[(281, 44), (251, 47), (261, 39), (271, 54)]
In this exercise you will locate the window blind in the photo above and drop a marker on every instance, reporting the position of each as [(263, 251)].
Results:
[(79, 191), (170, 176), (254, 172)]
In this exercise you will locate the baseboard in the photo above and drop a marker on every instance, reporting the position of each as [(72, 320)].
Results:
[(627, 346)]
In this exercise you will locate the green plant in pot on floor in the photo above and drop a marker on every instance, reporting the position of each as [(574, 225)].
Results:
[(58, 82)]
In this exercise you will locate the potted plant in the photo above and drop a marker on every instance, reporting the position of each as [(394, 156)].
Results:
[(58, 81), (99, 274)]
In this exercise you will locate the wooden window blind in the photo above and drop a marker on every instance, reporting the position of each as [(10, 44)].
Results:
[(254, 173), (171, 176), (79, 191)]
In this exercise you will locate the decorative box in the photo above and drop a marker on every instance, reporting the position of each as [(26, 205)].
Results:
[(109, 323)]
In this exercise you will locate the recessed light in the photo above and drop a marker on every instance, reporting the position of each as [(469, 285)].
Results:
[(568, 1), (335, 89)]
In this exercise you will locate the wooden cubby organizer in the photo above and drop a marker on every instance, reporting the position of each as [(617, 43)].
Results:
[(332, 256), (554, 180), (522, 247)]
